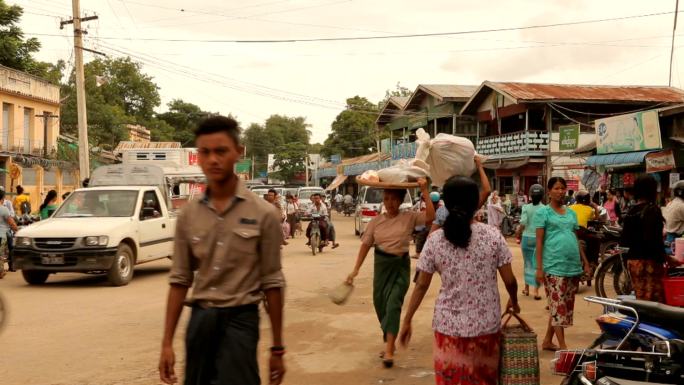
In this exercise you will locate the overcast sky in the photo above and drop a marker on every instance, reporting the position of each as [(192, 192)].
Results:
[(313, 79)]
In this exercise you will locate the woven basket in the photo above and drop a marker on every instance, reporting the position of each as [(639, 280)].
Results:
[(519, 354)]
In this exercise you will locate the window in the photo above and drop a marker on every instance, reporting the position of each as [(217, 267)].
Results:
[(68, 178), (28, 176), (50, 178), (159, 156), (150, 208), (141, 156), (25, 142)]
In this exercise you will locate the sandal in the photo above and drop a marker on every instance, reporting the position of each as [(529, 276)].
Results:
[(388, 363), (537, 297), (335, 245), (526, 292), (551, 348)]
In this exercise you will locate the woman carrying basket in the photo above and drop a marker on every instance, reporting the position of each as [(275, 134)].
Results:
[(391, 233), (467, 319)]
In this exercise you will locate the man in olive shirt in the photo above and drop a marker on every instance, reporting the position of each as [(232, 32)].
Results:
[(227, 247)]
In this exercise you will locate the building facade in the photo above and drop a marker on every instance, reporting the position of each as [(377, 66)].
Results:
[(28, 137)]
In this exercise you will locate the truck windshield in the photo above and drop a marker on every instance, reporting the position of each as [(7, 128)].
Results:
[(306, 194), (98, 203)]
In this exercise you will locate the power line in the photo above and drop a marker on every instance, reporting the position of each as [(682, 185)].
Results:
[(398, 36)]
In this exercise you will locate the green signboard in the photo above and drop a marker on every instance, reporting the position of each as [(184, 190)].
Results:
[(243, 166), (569, 137)]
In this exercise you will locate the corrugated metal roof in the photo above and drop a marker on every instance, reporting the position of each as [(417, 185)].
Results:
[(146, 145), (450, 91), (374, 157), (400, 100), (555, 92)]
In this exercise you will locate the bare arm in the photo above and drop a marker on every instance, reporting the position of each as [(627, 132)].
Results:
[(429, 207), (540, 255), (363, 252), (486, 187), (174, 307), (506, 273), (274, 298), (419, 291), (12, 224)]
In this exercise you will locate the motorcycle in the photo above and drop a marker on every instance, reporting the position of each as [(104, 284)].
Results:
[(640, 340), (348, 209), (317, 244), (600, 242)]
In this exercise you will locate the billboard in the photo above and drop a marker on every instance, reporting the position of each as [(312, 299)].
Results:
[(630, 132)]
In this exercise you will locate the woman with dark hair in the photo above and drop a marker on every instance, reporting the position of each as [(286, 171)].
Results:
[(612, 206), (467, 318), (560, 261), (528, 239), (391, 233), (49, 205), (643, 234)]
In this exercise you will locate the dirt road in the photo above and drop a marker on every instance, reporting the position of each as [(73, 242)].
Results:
[(78, 330)]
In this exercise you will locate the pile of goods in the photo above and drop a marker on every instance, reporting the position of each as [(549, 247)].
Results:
[(438, 159)]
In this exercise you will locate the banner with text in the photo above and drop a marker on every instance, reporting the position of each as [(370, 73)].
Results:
[(630, 132)]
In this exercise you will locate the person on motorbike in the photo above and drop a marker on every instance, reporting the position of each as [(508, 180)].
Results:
[(324, 224), (674, 216)]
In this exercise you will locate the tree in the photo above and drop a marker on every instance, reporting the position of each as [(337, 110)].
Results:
[(289, 160), (117, 93), (15, 51), (399, 90), (182, 118), (353, 131), (274, 137)]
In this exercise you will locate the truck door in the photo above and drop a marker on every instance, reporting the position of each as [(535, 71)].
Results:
[(153, 228)]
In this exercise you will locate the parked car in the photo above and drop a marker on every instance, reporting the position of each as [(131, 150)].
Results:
[(108, 228), (369, 206), (304, 195)]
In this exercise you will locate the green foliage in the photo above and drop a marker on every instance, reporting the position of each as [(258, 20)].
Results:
[(398, 90), (15, 51), (182, 118), (278, 135), (289, 160), (117, 93), (353, 131)]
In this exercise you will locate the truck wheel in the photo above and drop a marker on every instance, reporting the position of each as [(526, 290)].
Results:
[(35, 277), (121, 272)]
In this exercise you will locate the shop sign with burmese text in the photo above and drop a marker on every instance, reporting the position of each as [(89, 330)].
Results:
[(660, 161)]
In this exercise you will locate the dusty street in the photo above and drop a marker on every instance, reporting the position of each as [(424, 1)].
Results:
[(78, 330)]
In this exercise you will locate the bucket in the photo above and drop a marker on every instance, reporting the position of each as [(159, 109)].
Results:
[(674, 291)]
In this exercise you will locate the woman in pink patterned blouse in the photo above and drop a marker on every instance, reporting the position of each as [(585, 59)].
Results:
[(467, 319)]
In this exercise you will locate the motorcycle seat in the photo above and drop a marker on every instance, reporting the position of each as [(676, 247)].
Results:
[(670, 317), (613, 231)]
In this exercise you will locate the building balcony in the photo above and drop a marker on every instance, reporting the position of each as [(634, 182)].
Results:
[(28, 147), (530, 143)]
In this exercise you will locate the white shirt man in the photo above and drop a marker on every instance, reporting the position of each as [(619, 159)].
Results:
[(348, 199), (339, 198), (321, 210)]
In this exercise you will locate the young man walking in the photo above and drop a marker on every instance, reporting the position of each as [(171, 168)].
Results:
[(227, 248)]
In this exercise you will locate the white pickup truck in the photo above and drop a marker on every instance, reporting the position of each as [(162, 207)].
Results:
[(107, 228)]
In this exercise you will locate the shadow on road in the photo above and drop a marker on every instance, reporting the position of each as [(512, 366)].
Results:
[(68, 280)]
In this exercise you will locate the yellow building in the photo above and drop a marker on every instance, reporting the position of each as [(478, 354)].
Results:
[(27, 148)]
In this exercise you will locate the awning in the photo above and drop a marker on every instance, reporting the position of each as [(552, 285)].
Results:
[(617, 160), (506, 164), (336, 182)]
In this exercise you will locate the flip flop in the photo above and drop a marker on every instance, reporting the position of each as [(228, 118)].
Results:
[(335, 245), (537, 297), (552, 348), (388, 363), (526, 292)]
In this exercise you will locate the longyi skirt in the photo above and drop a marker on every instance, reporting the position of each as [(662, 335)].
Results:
[(467, 360)]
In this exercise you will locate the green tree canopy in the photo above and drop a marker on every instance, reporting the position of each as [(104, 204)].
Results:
[(16, 51), (117, 93), (285, 137), (353, 131), (182, 118)]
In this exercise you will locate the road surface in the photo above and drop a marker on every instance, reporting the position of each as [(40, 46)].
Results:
[(76, 329)]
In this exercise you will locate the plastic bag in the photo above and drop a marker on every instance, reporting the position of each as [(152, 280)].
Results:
[(402, 172), (423, 145), (449, 156), (371, 176)]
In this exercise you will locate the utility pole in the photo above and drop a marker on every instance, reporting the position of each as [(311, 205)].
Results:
[(46, 117), (674, 30), (306, 170), (83, 147)]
